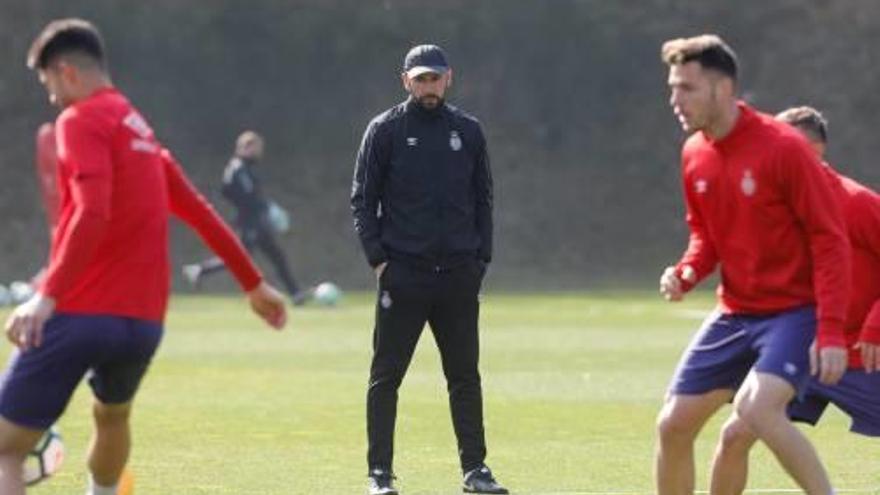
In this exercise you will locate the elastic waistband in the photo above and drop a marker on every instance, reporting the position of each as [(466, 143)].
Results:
[(446, 264)]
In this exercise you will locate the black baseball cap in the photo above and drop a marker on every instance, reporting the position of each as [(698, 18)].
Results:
[(425, 58)]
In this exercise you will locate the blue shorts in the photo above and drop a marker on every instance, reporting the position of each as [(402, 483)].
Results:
[(115, 351), (728, 346), (857, 394)]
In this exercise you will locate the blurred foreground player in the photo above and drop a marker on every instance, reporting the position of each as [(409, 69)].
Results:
[(759, 205), (858, 392), (101, 305)]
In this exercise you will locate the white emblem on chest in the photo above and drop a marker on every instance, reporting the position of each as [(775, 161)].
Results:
[(701, 186), (748, 184), (454, 141), (412, 141)]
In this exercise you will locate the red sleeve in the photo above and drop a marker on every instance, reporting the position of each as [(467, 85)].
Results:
[(816, 206), (864, 220), (187, 204), (47, 172), (871, 327), (700, 254), (85, 149), (864, 226)]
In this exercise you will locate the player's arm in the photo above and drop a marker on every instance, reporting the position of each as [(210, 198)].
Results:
[(699, 259), (818, 209), (190, 206), (483, 186), (864, 225), (85, 148), (366, 190), (869, 339)]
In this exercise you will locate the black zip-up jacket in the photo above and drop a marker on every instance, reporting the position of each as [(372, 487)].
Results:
[(422, 188), (242, 188)]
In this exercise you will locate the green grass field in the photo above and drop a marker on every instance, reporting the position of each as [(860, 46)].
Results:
[(572, 384)]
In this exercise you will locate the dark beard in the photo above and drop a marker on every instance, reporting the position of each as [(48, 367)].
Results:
[(436, 102)]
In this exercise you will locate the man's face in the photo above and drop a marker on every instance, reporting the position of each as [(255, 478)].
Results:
[(694, 95), (252, 150), (428, 88), (56, 79)]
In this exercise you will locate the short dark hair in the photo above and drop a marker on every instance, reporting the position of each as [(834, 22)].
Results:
[(64, 37), (807, 119), (709, 50)]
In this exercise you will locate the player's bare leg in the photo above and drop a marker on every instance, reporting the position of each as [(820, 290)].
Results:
[(15, 443), (761, 403), (111, 443), (730, 466), (678, 424)]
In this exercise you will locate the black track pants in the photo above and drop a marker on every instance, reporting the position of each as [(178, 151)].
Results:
[(408, 298)]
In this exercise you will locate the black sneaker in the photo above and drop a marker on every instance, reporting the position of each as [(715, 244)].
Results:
[(300, 298), (480, 480), (381, 483)]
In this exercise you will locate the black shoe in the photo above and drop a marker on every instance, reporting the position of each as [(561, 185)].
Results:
[(480, 480), (302, 296), (381, 483)]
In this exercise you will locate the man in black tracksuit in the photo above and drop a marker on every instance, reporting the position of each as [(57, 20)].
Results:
[(242, 188), (422, 205)]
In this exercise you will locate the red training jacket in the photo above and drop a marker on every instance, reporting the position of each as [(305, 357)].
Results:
[(861, 209), (760, 205), (118, 185)]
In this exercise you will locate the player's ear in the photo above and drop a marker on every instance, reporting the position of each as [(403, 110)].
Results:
[(728, 86), (405, 80)]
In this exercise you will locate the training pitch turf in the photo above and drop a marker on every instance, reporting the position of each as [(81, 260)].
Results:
[(572, 383)]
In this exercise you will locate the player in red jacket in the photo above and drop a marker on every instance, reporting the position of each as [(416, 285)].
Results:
[(760, 207), (101, 305), (858, 392)]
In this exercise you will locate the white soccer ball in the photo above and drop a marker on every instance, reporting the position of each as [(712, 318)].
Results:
[(5, 296), (46, 458), (278, 217), (327, 294), (20, 291)]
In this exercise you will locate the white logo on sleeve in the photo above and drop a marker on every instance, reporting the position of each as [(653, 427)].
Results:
[(454, 141), (412, 141), (143, 142), (385, 301), (748, 184), (137, 124)]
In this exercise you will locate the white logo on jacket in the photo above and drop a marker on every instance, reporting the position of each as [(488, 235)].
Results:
[(137, 124), (412, 141), (701, 186), (748, 184), (454, 141), (144, 146), (385, 301)]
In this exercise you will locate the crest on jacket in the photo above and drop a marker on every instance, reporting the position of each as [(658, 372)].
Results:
[(454, 141), (748, 184)]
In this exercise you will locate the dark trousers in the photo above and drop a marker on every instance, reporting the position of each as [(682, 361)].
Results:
[(408, 298), (259, 239)]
